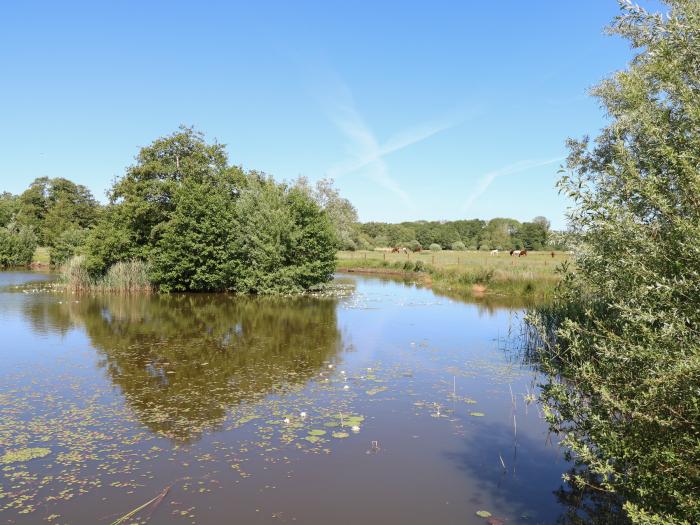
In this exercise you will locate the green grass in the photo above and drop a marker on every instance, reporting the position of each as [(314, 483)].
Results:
[(468, 272), (42, 256)]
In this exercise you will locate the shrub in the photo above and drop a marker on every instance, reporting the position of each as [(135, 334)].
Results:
[(17, 245), (458, 246), (435, 247), (409, 266), (414, 245), (419, 266)]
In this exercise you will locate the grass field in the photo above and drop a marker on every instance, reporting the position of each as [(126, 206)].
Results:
[(472, 272), (41, 256)]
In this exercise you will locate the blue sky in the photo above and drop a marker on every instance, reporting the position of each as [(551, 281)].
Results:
[(418, 110)]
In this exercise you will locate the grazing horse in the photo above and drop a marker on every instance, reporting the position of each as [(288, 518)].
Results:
[(494, 252), (515, 253), (395, 249), (523, 253)]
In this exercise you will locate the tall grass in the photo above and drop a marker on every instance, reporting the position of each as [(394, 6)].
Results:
[(124, 276), (534, 277)]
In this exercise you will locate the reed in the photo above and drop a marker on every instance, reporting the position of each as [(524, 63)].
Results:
[(123, 276)]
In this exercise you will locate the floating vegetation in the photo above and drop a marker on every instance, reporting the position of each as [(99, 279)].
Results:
[(477, 414), (483, 513), (376, 390), (340, 435), (22, 455)]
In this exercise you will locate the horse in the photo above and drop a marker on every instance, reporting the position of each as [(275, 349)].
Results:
[(523, 253), (494, 252), (395, 249), (552, 254), (515, 253)]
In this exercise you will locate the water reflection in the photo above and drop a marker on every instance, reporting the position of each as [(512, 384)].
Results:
[(182, 361)]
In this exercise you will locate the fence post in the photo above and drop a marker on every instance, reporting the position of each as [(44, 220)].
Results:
[(433, 259), (365, 256), (385, 256)]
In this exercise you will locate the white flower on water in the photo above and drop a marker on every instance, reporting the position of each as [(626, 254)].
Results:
[(355, 428), (302, 415), (286, 420), (346, 387)]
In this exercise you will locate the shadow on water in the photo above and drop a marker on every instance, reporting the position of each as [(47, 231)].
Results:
[(181, 361)]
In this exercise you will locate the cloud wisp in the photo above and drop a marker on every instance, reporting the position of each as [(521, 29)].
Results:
[(366, 154), (517, 167)]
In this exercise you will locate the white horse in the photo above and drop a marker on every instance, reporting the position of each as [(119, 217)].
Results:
[(516, 253), (494, 252)]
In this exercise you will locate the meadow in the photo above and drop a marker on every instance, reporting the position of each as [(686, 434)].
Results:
[(475, 273)]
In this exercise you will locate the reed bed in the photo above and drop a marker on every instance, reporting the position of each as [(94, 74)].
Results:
[(124, 276)]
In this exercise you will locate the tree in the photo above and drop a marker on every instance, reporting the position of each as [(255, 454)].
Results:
[(52, 206), (142, 201), (624, 329), (17, 245), (9, 204), (201, 225), (340, 211)]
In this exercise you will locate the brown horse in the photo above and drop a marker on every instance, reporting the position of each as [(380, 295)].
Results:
[(395, 249), (523, 253)]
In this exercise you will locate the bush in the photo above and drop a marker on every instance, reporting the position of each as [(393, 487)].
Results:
[(67, 245), (419, 266), (435, 247), (17, 245), (414, 246), (458, 246), (409, 266)]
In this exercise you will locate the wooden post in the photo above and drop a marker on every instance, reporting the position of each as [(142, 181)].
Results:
[(365, 256), (385, 256), (433, 259)]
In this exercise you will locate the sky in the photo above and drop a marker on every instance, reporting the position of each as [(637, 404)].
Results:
[(435, 110)]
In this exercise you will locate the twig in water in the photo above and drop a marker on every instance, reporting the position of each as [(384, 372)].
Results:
[(138, 509)]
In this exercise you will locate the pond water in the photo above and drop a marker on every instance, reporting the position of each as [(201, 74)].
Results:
[(380, 402)]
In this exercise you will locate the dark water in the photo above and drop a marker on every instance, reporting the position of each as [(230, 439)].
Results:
[(379, 403)]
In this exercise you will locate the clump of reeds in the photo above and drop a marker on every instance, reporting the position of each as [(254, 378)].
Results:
[(123, 276)]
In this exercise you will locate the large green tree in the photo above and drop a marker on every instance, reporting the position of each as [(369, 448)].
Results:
[(202, 225), (624, 335), (52, 206)]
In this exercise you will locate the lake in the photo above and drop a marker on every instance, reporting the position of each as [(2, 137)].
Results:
[(378, 402)]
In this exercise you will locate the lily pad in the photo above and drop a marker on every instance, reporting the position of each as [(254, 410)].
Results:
[(483, 513), (316, 432), (477, 414), (340, 435)]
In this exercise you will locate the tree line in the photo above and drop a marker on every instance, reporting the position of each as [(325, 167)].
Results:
[(473, 234)]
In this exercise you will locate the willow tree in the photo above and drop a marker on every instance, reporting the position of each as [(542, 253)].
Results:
[(625, 330)]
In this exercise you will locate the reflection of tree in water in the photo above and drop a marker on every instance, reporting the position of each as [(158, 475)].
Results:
[(182, 361), (588, 504)]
